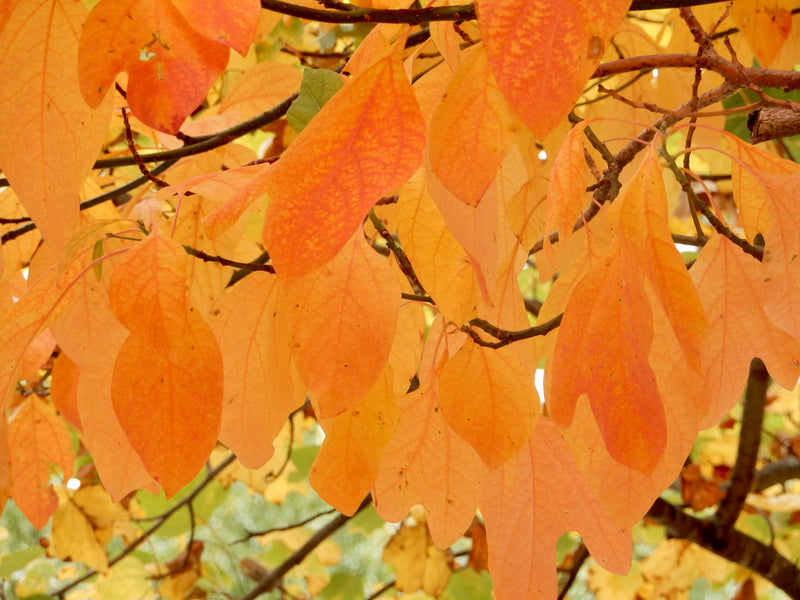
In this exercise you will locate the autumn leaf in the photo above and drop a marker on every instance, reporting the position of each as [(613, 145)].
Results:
[(167, 380), (551, 46), (360, 146), (472, 123), (357, 291), (426, 463), (42, 104), (523, 524), (170, 65), (41, 448), (231, 24), (260, 389), (488, 398), (765, 24)]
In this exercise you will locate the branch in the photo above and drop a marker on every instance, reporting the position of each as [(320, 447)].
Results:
[(741, 481), (777, 472), (734, 546), (270, 581), (415, 16), (153, 528), (506, 337), (225, 262)]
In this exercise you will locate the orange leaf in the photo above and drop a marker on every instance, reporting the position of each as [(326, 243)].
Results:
[(264, 85), (260, 389), (167, 380), (426, 463), (35, 310), (487, 396), (90, 335), (765, 25), (170, 65), (40, 446), (473, 124), (732, 289), (42, 104), (365, 141), (341, 320), (608, 321), (524, 520), (229, 23), (542, 53), (64, 389), (347, 463)]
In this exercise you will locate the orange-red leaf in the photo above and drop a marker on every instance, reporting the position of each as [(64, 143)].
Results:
[(366, 140), (341, 320), (542, 53), (487, 396), (473, 125), (260, 390), (533, 499), (41, 103), (167, 380), (608, 323), (40, 446), (230, 23), (170, 65)]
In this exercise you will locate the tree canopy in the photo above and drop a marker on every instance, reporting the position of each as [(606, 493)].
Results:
[(251, 247)]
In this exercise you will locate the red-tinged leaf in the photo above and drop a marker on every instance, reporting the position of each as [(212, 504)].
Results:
[(341, 321), (230, 23), (264, 85), (608, 321), (170, 66), (32, 314), (487, 396), (765, 25), (260, 389), (472, 125), (626, 492), (365, 141), (90, 335), (41, 103), (529, 502), (442, 265), (641, 217), (167, 381), (732, 289), (347, 463), (40, 447), (426, 463), (551, 46)]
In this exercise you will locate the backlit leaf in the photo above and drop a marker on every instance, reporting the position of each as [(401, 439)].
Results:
[(551, 46), (41, 448), (42, 104), (167, 380), (170, 65), (367, 140), (341, 320), (765, 25), (318, 86)]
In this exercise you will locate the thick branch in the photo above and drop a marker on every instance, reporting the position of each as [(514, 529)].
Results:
[(734, 546), (741, 481)]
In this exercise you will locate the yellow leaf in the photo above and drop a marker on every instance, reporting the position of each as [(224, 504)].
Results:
[(417, 562), (73, 536)]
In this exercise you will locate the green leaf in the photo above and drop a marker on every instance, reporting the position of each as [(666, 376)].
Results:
[(468, 584), (343, 586), (19, 560), (318, 86)]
